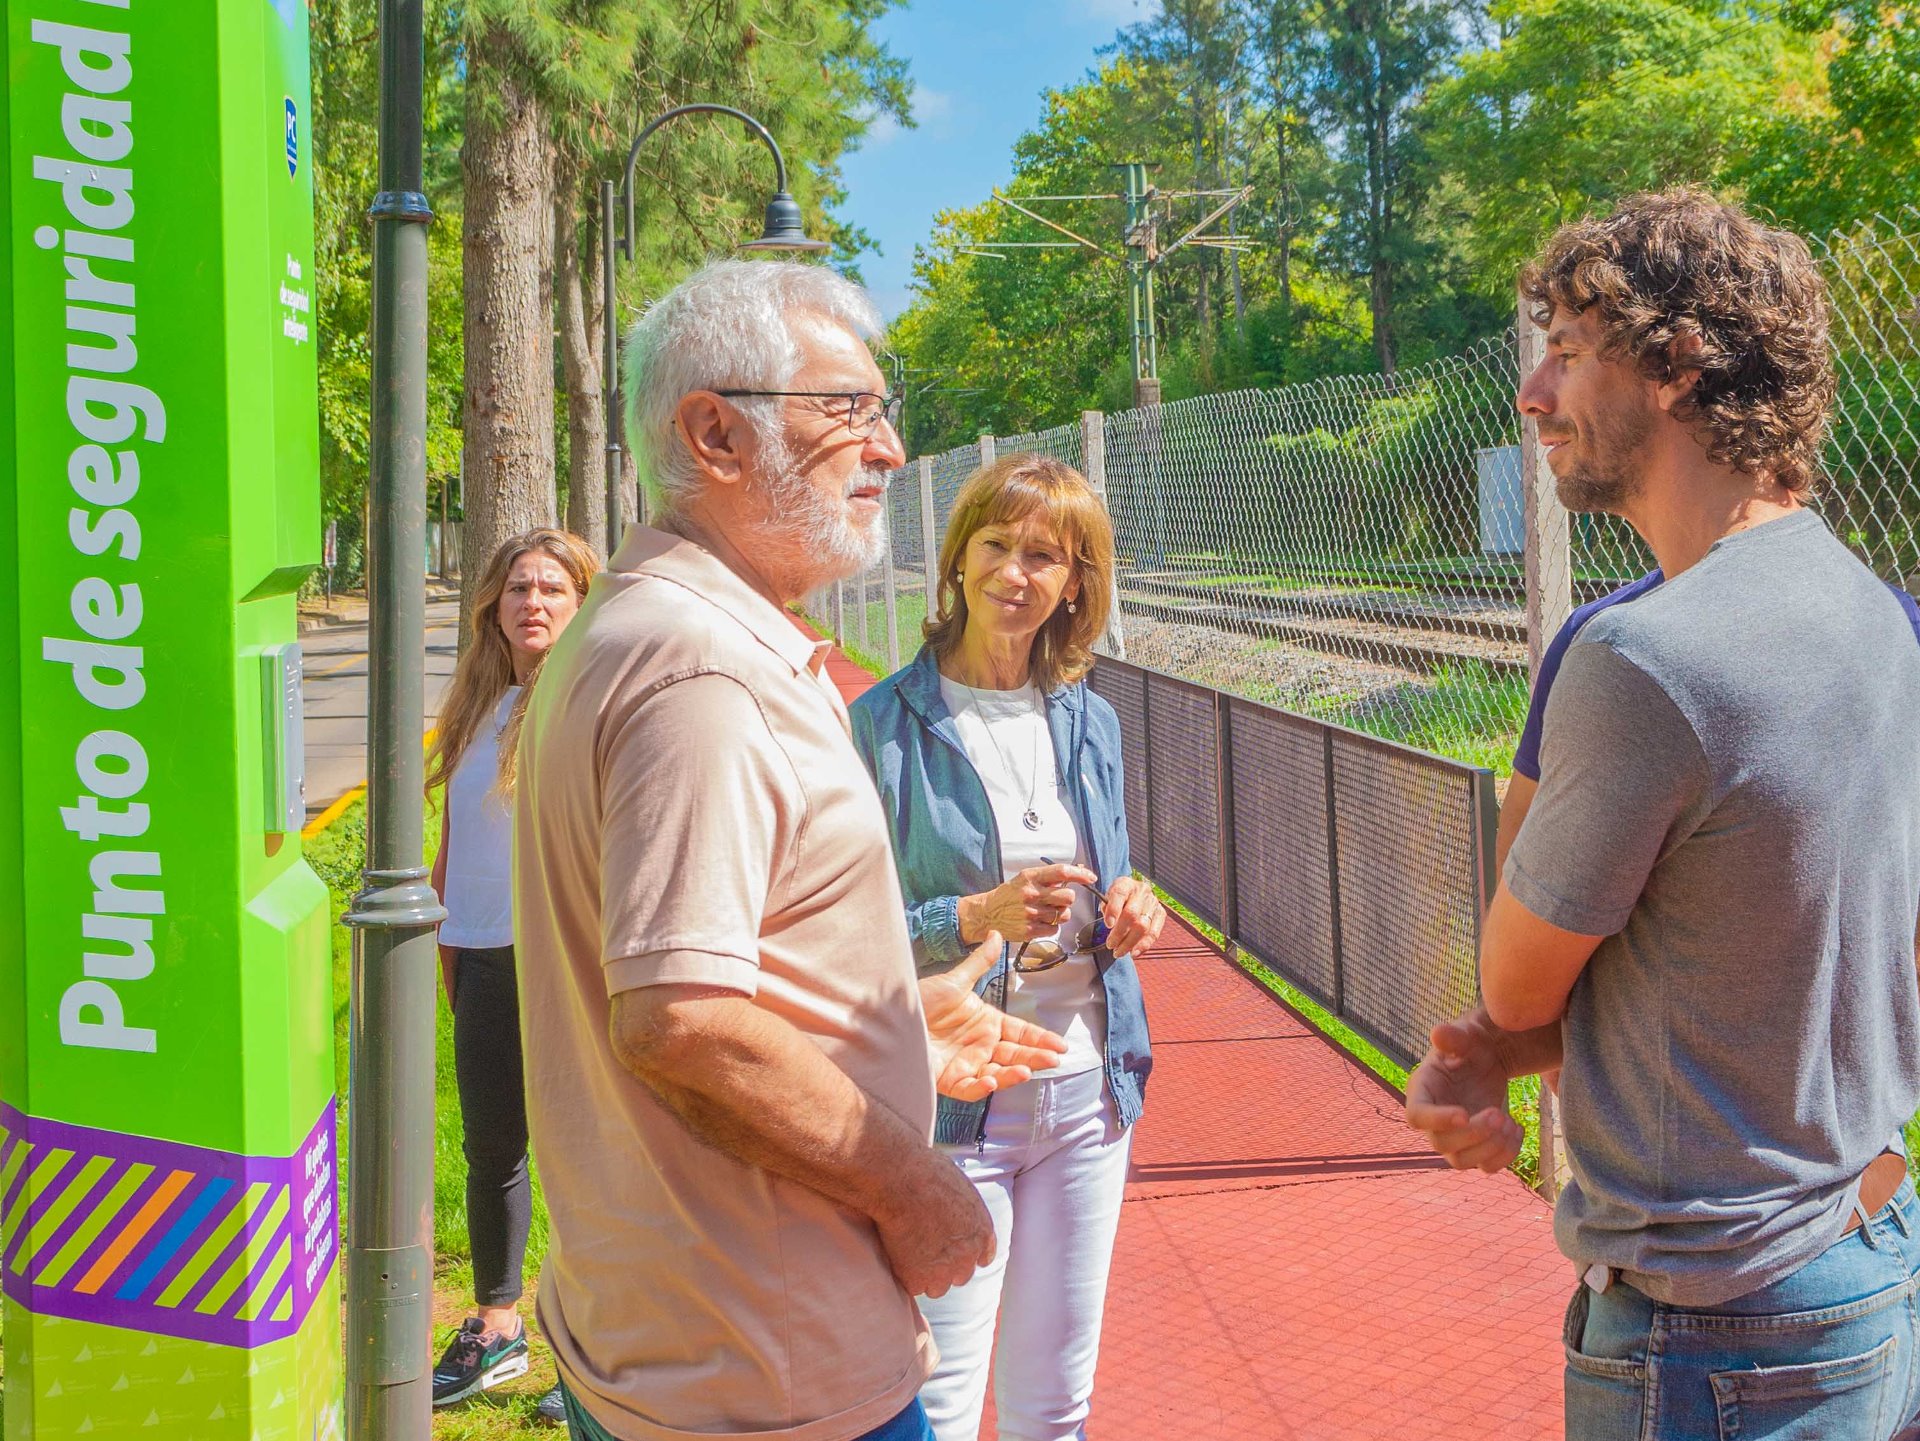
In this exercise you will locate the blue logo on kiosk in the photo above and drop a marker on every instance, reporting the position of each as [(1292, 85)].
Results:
[(293, 138)]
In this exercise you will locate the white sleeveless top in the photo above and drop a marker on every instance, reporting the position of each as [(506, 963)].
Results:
[(479, 842)]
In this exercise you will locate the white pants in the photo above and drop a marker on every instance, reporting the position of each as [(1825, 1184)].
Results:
[(1053, 1174)]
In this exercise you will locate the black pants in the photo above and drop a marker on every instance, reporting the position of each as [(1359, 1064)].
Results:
[(493, 1108)]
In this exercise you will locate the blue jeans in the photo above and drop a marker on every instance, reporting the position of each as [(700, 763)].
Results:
[(1828, 1352), (909, 1425)]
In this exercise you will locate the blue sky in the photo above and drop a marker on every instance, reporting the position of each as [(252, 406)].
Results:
[(978, 68)]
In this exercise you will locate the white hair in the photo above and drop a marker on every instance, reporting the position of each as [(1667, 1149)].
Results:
[(728, 326)]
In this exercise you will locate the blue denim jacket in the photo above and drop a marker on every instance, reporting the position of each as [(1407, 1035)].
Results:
[(946, 845)]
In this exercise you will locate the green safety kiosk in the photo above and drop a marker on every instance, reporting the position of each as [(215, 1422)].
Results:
[(168, 1171)]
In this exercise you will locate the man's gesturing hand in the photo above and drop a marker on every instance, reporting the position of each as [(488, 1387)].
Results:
[(935, 1227), (1457, 1096), (978, 1048)]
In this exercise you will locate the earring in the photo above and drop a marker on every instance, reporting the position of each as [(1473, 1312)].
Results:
[(1072, 609)]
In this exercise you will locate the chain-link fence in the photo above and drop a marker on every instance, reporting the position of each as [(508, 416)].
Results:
[(1356, 549), (1872, 493)]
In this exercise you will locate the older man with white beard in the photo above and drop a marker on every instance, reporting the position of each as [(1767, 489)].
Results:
[(729, 1071)]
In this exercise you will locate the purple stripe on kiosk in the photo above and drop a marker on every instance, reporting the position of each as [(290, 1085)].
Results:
[(129, 1274)]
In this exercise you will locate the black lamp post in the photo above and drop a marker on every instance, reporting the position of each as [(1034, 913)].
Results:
[(781, 231), (389, 1259)]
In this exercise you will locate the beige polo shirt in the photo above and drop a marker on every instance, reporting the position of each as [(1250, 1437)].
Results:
[(691, 809)]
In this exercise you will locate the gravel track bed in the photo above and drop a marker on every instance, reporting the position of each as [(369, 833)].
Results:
[(1277, 672), (1450, 643), (1492, 608)]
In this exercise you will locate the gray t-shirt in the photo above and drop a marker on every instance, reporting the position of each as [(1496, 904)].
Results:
[(1730, 794)]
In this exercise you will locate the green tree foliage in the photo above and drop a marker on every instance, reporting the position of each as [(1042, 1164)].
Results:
[(1370, 63), (1406, 157), (598, 69), (1583, 101), (1012, 339), (346, 109), (1851, 148)]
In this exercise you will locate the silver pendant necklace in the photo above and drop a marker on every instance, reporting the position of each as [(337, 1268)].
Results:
[(1030, 817)]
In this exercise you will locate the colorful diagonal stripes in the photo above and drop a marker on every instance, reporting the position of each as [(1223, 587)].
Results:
[(173, 1239)]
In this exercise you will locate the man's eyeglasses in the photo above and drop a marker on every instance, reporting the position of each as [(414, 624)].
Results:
[(864, 411), (1044, 955)]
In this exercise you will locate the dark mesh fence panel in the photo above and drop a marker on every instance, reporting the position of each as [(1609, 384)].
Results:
[(1185, 803), (1285, 900), (1408, 889), (1125, 689)]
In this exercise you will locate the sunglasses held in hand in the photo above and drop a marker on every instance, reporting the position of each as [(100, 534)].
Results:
[(1043, 955)]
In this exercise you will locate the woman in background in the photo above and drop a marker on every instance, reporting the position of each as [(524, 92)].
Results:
[(529, 591), (1000, 773)]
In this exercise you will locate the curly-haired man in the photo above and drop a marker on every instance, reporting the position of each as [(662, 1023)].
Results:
[(1709, 915)]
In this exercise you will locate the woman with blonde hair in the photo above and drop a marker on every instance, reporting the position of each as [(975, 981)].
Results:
[(526, 596), (1000, 773)]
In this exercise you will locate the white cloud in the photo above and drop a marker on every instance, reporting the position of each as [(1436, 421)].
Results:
[(932, 109), (931, 104)]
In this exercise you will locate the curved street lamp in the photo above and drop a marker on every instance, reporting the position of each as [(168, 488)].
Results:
[(781, 231)]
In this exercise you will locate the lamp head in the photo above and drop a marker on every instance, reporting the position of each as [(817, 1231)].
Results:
[(782, 230)]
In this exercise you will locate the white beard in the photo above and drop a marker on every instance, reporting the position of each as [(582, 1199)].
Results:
[(813, 526)]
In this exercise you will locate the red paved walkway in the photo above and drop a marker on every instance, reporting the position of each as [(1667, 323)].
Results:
[(1292, 1263)]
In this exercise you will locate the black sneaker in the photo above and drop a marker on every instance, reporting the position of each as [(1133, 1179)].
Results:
[(477, 1360), (552, 1407)]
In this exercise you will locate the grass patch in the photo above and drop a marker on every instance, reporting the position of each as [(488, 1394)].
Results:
[(1465, 711), (872, 656), (911, 608), (507, 1412)]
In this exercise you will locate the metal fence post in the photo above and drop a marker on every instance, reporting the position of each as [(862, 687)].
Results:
[(1486, 814), (892, 594), (929, 534), (1333, 876), (1093, 460), (1548, 554), (860, 625), (1146, 767), (987, 449), (1223, 794), (839, 610)]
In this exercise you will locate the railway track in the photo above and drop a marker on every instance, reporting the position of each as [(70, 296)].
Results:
[(1387, 635), (1447, 585), (1479, 622)]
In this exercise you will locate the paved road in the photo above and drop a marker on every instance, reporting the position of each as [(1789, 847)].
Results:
[(336, 697)]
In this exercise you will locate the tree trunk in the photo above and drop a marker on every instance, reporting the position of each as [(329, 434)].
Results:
[(1380, 219), (1239, 285), (577, 280), (1201, 104), (1380, 300), (1284, 155), (507, 248), (631, 508)]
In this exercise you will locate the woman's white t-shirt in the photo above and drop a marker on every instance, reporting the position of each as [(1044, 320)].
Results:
[(478, 839), (1005, 735)]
